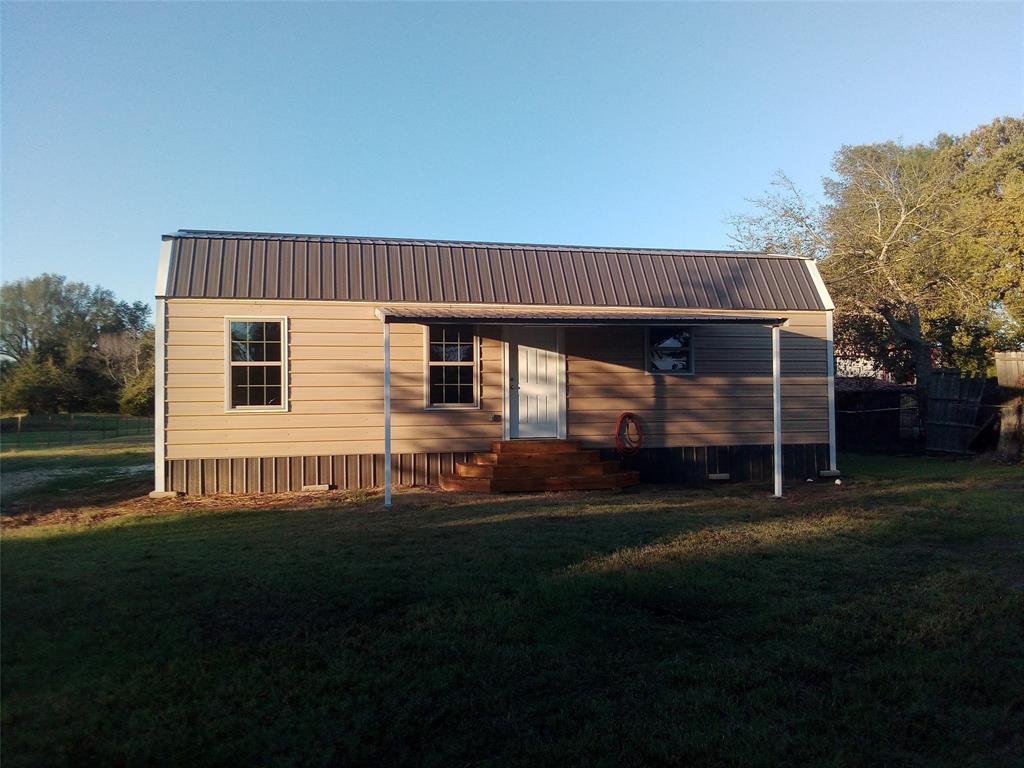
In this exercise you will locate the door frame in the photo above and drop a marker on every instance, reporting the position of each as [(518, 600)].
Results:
[(510, 363)]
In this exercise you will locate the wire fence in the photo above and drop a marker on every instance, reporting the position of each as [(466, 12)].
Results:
[(29, 432)]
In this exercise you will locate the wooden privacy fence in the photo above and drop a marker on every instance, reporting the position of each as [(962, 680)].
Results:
[(1010, 372), (952, 412)]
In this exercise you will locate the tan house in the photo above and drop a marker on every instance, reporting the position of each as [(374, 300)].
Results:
[(289, 361)]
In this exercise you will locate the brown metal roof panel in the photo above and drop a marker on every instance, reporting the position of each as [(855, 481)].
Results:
[(727, 281), (668, 280), (328, 277), (789, 294), (302, 267), (707, 283), (757, 284), (228, 269), (487, 285), (808, 288), (474, 280), (738, 280), (373, 279)]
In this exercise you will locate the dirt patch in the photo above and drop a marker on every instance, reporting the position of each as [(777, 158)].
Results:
[(133, 499), (17, 483)]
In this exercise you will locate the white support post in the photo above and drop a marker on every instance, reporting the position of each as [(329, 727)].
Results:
[(387, 414), (831, 361), (777, 408)]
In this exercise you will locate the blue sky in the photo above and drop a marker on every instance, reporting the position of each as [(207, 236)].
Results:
[(611, 124)]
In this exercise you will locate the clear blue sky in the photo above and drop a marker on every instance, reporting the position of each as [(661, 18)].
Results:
[(643, 125)]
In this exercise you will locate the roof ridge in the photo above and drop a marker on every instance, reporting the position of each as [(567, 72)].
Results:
[(215, 234)]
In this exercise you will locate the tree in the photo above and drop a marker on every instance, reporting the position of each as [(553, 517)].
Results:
[(921, 246), (125, 354), (58, 320), (37, 387), (138, 398), (96, 342)]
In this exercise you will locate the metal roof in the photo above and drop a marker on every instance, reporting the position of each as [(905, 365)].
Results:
[(521, 316), (205, 264)]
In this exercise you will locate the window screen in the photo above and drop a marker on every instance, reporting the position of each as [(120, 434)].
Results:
[(256, 364), (669, 350), (452, 366)]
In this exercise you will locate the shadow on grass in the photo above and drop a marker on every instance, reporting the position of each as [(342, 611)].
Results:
[(586, 630)]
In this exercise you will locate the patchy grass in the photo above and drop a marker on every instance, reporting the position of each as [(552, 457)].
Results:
[(874, 623), (37, 480)]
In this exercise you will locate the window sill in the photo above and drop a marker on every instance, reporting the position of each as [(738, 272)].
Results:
[(473, 407), (256, 409)]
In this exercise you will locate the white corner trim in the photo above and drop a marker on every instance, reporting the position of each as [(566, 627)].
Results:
[(160, 404), (163, 269), (826, 300)]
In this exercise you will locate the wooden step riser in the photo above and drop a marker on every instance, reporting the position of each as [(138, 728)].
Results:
[(537, 459), (545, 470), (539, 484), (535, 446)]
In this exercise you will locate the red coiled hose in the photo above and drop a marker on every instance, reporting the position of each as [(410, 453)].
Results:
[(629, 434)]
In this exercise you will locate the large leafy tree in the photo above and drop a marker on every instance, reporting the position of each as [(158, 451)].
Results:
[(69, 345), (921, 246)]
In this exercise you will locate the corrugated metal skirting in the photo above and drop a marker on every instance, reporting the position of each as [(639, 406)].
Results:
[(745, 463), (290, 473)]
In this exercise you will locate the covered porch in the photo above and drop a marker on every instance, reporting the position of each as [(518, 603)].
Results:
[(535, 375)]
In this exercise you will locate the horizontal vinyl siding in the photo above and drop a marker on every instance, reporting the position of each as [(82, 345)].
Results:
[(728, 401), (336, 393)]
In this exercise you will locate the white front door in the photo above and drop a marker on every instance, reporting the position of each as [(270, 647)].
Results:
[(536, 383)]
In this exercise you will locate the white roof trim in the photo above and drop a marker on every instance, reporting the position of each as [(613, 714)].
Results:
[(163, 268), (826, 300)]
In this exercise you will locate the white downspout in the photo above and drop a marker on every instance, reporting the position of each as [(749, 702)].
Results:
[(387, 414), (777, 409)]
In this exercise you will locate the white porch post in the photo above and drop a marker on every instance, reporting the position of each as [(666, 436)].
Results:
[(387, 414), (830, 352), (777, 408)]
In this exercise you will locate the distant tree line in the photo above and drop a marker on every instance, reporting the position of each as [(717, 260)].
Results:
[(67, 346), (921, 247)]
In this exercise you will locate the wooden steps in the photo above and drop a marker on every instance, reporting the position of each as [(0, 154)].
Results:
[(537, 465)]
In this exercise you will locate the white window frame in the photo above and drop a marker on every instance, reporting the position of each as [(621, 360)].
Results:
[(647, 352), (229, 364), (427, 405)]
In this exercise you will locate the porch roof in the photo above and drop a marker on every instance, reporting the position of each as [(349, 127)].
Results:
[(530, 316)]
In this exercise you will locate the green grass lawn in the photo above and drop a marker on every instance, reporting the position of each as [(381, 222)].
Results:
[(880, 623)]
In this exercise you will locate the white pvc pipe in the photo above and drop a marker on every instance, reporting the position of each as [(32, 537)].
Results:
[(387, 415), (777, 408), (831, 361)]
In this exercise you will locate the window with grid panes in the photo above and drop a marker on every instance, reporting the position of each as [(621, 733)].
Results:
[(451, 366), (256, 364)]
